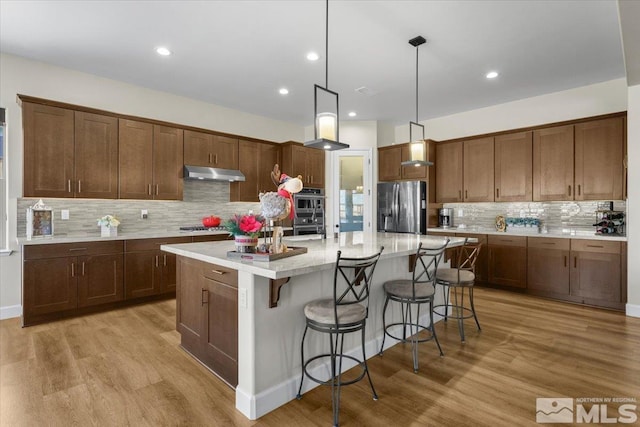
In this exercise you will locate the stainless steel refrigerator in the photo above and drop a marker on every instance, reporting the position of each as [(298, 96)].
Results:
[(402, 207)]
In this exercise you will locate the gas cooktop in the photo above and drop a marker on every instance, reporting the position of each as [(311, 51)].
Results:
[(201, 228)]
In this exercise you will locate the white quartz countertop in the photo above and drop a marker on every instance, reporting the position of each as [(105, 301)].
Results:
[(321, 253), (153, 233), (527, 233)]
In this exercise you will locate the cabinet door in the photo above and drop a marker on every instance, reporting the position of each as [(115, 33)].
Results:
[(268, 156), (168, 284), (96, 156), (548, 265), (225, 152), (100, 279), (298, 163), (599, 149), (167, 163), (508, 261), (135, 159), (553, 164), (411, 172), (221, 346), (143, 274), (315, 167), (596, 271), (513, 174), (198, 148), (478, 170), (389, 159), (190, 305), (50, 286), (449, 172), (48, 151), (246, 191)]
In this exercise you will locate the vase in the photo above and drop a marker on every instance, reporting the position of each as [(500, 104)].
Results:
[(108, 231), (246, 244)]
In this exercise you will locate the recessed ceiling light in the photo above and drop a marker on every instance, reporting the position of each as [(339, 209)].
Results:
[(312, 56), (352, 114), (492, 74), (163, 51), (283, 91)]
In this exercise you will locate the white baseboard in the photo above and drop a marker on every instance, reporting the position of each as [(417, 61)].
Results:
[(255, 406), (633, 310), (10, 311)]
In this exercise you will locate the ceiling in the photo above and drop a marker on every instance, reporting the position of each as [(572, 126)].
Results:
[(238, 54)]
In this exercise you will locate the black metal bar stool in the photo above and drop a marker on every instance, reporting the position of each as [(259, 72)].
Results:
[(346, 312), (418, 290), (456, 281)]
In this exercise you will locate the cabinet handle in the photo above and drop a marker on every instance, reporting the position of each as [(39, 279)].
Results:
[(156, 260), (157, 189), (569, 190), (218, 272), (203, 301), (77, 249), (575, 262), (565, 260), (215, 159), (548, 243), (311, 178), (595, 246), (210, 158), (466, 194), (579, 189), (73, 270), (459, 194), (83, 268), (497, 193), (69, 186), (149, 189), (165, 260), (79, 186)]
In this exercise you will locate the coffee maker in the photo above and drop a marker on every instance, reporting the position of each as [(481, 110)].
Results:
[(445, 217)]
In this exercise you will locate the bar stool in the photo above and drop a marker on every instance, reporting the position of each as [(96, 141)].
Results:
[(416, 291), (346, 312), (456, 280)]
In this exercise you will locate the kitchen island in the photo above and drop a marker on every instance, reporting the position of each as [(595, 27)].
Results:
[(270, 299)]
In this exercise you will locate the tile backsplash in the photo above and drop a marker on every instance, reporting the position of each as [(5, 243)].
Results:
[(555, 216), (200, 198)]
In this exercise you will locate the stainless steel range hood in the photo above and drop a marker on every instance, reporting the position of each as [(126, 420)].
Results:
[(212, 174)]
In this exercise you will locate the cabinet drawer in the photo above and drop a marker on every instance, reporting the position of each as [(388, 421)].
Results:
[(153, 244), (211, 238), (595, 246), (519, 241), (549, 243), (219, 273), (72, 249), (482, 238)]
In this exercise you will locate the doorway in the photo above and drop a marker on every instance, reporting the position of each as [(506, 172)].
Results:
[(352, 201)]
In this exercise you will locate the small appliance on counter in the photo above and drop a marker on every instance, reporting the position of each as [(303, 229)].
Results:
[(445, 217)]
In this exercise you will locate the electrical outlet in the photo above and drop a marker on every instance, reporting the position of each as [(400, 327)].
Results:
[(64, 214), (242, 298), (144, 214), (460, 213)]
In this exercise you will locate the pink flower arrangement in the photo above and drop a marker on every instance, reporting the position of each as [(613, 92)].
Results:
[(245, 225)]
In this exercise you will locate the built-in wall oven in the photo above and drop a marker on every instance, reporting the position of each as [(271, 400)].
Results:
[(309, 212)]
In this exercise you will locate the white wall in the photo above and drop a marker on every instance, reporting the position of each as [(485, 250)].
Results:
[(586, 101), (633, 202), (23, 76)]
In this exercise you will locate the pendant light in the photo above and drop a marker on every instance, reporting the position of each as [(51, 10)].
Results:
[(326, 126), (417, 152)]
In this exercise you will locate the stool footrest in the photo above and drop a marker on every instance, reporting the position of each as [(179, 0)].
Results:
[(334, 380), (411, 326)]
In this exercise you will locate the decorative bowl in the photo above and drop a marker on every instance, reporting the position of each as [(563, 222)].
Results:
[(211, 221)]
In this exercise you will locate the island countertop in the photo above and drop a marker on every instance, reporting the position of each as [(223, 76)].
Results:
[(321, 253)]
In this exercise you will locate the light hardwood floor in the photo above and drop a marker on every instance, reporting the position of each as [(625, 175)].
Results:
[(124, 367)]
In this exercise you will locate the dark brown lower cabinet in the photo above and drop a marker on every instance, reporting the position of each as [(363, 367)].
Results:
[(61, 278), (148, 270), (207, 315), (596, 272), (508, 261), (548, 265)]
